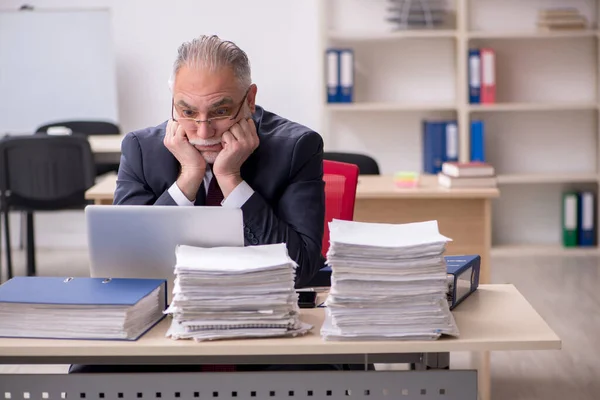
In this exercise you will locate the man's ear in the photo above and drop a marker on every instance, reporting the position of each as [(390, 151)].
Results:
[(252, 98)]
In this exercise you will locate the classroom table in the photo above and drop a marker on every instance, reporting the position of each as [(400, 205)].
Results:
[(495, 318), (464, 215)]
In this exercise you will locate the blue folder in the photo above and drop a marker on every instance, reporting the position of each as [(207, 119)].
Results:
[(587, 218), (77, 291), (474, 76), (85, 292)]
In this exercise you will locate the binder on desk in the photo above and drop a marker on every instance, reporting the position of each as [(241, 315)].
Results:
[(333, 76), (346, 75), (80, 308), (488, 76), (569, 219), (462, 277), (474, 76), (587, 219)]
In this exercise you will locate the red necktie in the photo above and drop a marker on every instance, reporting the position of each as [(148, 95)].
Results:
[(214, 196)]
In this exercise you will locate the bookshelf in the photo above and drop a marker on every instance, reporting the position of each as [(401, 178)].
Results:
[(542, 134)]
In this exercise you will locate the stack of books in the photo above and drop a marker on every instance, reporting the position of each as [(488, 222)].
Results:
[(80, 308), (388, 282), (234, 292), (467, 175), (566, 18)]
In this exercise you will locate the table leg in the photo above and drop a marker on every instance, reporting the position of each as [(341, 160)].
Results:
[(481, 362)]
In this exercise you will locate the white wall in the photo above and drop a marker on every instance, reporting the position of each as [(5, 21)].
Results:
[(280, 37)]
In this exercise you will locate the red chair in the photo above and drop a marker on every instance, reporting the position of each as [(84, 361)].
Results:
[(340, 194)]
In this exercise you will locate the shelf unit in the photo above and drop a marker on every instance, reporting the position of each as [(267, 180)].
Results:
[(547, 92)]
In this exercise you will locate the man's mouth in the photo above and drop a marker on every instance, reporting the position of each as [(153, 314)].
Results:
[(212, 147)]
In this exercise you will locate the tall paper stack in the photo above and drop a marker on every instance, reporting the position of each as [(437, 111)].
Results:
[(388, 282), (234, 292)]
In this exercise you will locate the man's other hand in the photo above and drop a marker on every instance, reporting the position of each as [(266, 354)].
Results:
[(238, 143)]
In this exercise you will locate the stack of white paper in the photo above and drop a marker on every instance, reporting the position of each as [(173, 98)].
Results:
[(234, 292), (388, 282)]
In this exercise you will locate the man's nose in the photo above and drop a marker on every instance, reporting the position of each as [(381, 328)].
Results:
[(205, 131)]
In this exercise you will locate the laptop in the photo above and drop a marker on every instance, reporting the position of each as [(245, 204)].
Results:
[(139, 241)]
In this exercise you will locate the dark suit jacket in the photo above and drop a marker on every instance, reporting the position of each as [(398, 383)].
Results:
[(285, 171)]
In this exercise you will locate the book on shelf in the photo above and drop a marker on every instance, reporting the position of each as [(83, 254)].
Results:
[(440, 144), (566, 18), (340, 75), (482, 75), (578, 218), (477, 136)]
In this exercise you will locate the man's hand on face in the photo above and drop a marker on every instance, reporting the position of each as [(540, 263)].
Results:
[(238, 143), (193, 165)]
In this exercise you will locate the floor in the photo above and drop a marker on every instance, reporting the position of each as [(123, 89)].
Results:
[(564, 290)]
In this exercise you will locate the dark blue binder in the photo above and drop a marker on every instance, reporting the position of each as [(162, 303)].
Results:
[(434, 146), (587, 218), (477, 141), (463, 277), (474, 76)]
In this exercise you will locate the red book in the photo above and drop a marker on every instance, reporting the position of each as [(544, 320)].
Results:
[(488, 76)]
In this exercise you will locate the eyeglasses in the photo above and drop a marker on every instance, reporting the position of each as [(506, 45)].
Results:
[(193, 123)]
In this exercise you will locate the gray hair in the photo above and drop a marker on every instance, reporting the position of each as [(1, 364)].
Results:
[(213, 53)]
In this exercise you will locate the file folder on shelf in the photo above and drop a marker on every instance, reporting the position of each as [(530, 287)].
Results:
[(477, 141), (587, 219), (346, 75), (488, 76), (474, 76), (80, 308), (451, 141), (333, 76), (569, 219)]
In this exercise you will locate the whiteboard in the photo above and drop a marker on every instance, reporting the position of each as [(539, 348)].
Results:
[(55, 65)]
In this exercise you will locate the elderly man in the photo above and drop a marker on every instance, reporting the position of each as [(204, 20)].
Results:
[(220, 149)]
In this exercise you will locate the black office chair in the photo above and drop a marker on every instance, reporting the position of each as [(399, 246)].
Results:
[(366, 164), (89, 128), (41, 172)]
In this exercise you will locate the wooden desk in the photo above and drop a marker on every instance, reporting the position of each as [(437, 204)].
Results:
[(464, 215), (107, 144), (497, 317), (106, 148)]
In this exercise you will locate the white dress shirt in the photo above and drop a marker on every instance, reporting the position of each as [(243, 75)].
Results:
[(236, 198)]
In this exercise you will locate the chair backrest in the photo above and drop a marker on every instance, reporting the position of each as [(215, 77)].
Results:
[(85, 127), (366, 165), (340, 194), (44, 172)]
